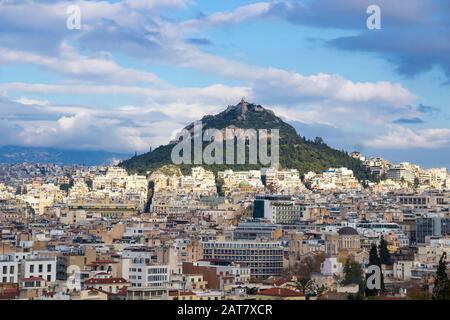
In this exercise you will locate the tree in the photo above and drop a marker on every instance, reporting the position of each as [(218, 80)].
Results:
[(308, 265), (441, 290), (416, 183), (374, 259), (306, 286), (356, 296), (353, 274), (385, 256)]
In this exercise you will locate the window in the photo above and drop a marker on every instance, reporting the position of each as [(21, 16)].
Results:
[(49, 278), (11, 269), (49, 268), (5, 270), (40, 268), (31, 268)]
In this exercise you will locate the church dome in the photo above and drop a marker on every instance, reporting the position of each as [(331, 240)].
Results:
[(347, 231)]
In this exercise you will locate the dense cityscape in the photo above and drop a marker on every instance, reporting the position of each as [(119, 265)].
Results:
[(99, 233)]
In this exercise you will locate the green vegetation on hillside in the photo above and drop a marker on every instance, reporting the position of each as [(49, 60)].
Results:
[(295, 152)]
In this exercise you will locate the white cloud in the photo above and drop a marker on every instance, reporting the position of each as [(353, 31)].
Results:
[(235, 16), (71, 64), (27, 101), (402, 137)]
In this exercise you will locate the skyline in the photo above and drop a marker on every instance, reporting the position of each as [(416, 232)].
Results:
[(139, 71)]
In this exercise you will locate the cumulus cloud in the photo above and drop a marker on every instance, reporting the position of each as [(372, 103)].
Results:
[(119, 27), (73, 65), (401, 137)]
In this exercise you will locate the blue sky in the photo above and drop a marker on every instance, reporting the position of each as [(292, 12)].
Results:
[(139, 70)]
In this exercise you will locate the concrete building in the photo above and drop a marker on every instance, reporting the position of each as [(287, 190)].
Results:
[(264, 259), (431, 226), (278, 209)]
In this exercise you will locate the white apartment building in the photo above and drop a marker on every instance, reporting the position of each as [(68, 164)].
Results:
[(9, 270), (40, 267), (232, 180), (278, 209), (264, 259), (16, 266), (333, 179), (403, 171), (331, 267), (144, 274), (280, 180), (143, 269)]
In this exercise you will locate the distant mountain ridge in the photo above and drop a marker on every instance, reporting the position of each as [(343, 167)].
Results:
[(18, 154), (295, 151)]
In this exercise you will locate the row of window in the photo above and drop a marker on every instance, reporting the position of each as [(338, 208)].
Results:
[(241, 245), (5, 279), (40, 268), (5, 269), (244, 252), (157, 278)]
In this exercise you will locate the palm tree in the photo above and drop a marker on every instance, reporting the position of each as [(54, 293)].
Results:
[(305, 286)]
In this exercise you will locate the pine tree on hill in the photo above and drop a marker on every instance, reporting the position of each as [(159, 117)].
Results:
[(353, 274), (441, 290), (385, 256)]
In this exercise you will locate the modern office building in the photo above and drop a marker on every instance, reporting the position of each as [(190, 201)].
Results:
[(278, 209), (401, 172), (431, 226), (265, 259), (254, 230)]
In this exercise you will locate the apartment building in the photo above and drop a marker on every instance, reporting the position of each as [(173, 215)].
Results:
[(278, 209), (9, 270), (256, 230), (403, 171), (264, 259), (431, 226), (15, 266)]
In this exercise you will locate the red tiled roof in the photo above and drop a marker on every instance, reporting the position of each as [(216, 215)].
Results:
[(105, 281), (280, 292), (280, 282), (99, 262), (180, 293), (9, 293), (32, 279)]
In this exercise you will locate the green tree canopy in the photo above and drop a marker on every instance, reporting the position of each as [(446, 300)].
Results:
[(385, 256), (441, 290)]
